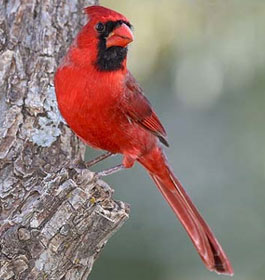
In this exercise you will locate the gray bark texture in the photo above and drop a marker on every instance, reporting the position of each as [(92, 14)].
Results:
[(55, 218)]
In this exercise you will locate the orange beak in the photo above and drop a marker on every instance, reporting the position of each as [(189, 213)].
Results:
[(120, 37)]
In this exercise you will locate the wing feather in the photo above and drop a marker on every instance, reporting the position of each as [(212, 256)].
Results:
[(138, 109)]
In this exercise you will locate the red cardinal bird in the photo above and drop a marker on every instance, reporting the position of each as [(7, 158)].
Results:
[(104, 105)]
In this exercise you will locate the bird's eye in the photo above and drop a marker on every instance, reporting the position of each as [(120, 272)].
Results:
[(100, 27)]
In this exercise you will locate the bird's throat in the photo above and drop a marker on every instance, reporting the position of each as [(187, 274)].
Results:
[(110, 59)]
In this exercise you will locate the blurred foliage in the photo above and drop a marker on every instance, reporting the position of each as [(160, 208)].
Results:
[(202, 65)]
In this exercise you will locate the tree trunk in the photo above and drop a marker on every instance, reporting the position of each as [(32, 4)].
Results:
[(55, 217)]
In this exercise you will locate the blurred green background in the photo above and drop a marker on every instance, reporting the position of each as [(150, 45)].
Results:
[(202, 65)]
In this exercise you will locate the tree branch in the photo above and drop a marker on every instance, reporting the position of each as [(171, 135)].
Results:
[(55, 217)]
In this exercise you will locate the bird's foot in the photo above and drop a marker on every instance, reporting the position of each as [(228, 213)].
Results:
[(110, 171), (97, 159)]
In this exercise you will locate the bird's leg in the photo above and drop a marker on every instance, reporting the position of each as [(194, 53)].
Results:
[(127, 162), (110, 170), (98, 159)]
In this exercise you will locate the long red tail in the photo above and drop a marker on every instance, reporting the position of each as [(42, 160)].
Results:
[(201, 235)]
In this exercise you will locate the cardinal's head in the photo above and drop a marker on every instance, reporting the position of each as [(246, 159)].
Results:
[(106, 37)]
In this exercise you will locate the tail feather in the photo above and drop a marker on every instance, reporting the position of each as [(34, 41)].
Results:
[(200, 233)]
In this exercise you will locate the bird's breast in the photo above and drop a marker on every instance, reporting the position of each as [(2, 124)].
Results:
[(90, 105)]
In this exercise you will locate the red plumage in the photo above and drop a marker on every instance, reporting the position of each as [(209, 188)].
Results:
[(103, 104)]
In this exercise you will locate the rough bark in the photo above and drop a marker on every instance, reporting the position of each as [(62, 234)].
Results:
[(55, 218)]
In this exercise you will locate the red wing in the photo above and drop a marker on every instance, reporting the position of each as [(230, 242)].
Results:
[(138, 109)]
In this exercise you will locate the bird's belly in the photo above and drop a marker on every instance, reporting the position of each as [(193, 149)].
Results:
[(98, 126), (107, 128)]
